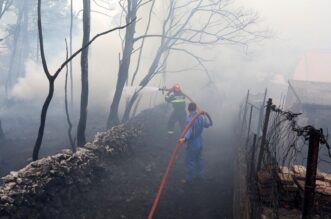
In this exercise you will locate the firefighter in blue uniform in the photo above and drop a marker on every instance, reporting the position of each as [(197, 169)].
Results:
[(193, 137)]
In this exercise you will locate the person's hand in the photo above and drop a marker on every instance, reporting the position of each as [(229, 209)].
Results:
[(181, 140)]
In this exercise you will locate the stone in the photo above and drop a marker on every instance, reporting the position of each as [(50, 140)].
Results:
[(52, 177)]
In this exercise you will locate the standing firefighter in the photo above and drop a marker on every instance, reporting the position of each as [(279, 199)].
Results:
[(193, 137), (177, 98)]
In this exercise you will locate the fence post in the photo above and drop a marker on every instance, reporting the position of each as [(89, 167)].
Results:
[(252, 169), (264, 134), (245, 112), (249, 124), (261, 114), (310, 184)]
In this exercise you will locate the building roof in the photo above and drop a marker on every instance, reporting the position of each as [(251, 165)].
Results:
[(314, 67), (310, 92)]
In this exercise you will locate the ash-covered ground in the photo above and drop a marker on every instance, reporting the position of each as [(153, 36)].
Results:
[(127, 187), (20, 123)]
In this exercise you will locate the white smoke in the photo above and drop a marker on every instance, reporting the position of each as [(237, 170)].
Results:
[(33, 86)]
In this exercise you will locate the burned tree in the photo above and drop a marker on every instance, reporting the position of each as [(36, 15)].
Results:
[(71, 140), (70, 54), (4, 6), (183, 33), (81, 140), (19, 44), (130, 9), (20, 32), (2, 134), (51, 78)]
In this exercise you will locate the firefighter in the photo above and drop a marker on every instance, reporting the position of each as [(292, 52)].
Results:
[(177, 98), (193, 137)]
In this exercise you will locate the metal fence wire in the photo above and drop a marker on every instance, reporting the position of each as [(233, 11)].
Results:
[(284, 168)]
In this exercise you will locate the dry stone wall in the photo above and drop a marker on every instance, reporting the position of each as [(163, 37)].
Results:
[(38, 188)]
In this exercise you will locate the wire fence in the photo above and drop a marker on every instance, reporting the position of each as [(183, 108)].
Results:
[(283, 165)]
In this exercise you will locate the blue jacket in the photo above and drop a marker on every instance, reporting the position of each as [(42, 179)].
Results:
[(193, 135)]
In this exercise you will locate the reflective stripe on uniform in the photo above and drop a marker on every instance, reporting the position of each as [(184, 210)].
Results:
[(178, 101)]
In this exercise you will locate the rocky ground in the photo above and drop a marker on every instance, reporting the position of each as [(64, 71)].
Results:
[(129, 181)]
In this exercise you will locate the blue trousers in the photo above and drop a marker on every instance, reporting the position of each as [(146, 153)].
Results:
[(194, 162)]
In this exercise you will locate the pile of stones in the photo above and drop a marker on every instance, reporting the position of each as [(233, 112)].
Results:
[(290, 186), (28, 191)]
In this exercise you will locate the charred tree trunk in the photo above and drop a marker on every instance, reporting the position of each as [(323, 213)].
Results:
[(1, 6), (123, 72), (9, 80), (2, 134), (4, 6), (72, 142), (43, 120), (70, 54), (144, 82), (52, 78), (20, 48), (81, 139)]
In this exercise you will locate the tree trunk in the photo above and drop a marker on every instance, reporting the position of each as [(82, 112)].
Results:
[(81, 139), (1, 5), (144, 82), (43, 120), (2, 134), (52, 78), (70, 54), (72, 142), (9, 79), (19, 49), (123, 72)]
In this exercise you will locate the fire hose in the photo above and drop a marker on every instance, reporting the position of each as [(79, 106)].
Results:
[(172, 159)]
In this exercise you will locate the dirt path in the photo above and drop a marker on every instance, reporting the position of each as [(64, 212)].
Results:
[(131, 182)]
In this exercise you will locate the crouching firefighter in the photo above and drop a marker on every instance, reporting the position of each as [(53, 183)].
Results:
[(177, 98)]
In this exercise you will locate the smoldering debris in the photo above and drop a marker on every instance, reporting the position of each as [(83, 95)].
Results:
[(38, 189)]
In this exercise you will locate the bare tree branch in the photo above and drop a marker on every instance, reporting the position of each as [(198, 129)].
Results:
[(102, 6), (89, 43), (143, 42), (4, 6), (52, 78), (72, 142), (182, 30)]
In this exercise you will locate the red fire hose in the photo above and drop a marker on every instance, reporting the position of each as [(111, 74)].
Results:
[(171, 161)]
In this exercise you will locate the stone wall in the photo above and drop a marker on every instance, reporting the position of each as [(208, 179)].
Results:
[(38, 188)]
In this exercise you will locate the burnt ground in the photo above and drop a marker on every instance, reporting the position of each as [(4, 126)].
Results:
[(21, 127), (130, 183)]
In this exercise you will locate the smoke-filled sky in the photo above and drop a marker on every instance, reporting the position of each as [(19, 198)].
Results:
[(297, 27), (301, 23)]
